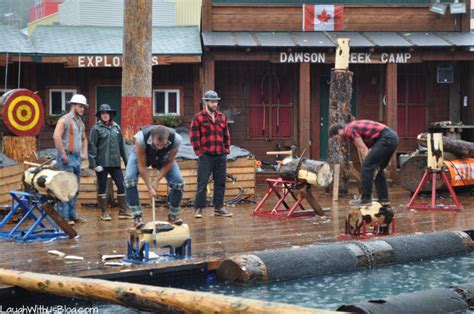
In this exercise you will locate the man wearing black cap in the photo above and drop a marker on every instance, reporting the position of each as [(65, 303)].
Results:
[(106, 146), (211, 142)]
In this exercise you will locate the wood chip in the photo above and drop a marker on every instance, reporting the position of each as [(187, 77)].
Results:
[(116, 264), (57, 253), (112, 256), (74, 258)]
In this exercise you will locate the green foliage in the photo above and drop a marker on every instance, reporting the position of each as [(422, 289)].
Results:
[(169, 120)]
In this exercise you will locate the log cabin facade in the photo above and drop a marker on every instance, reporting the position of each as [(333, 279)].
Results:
[(411, 67), (274, 79)]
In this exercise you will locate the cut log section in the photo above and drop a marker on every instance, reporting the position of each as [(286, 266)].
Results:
[(314, 172), (60, 185)]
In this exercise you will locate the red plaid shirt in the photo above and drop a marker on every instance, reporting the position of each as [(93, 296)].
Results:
[(368, 130), (208, 136)]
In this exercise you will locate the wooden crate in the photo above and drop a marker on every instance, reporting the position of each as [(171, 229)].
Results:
[(10, 178), (242, 168)]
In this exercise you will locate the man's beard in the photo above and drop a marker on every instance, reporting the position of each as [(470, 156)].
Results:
[(211, 109)]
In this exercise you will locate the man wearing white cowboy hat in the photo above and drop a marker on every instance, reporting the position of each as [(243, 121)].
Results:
[(71, 141)]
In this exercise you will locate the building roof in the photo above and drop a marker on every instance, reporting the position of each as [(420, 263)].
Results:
[(12, 40), (96, 40), (329, 39), (93, 40)]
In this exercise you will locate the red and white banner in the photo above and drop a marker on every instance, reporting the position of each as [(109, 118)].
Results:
[(323, 17)]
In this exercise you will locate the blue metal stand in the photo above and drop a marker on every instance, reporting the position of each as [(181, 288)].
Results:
[(43, 227), (140, 254)]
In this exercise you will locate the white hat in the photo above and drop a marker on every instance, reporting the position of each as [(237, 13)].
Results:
[(79, 100)]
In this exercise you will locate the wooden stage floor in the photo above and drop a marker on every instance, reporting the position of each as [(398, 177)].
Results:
[(214, 238)]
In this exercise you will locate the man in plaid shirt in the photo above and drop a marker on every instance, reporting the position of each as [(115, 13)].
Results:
[(382, 142), (211, 142)]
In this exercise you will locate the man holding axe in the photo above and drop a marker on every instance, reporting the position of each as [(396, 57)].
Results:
[(155, 146), (376, 144)]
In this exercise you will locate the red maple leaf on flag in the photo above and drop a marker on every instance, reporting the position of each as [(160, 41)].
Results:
[(324, 17)]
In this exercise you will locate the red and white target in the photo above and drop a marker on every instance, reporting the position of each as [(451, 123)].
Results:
[(22, 112)]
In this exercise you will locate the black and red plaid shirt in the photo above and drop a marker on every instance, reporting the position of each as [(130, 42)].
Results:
[(368, 130), (208, 136)]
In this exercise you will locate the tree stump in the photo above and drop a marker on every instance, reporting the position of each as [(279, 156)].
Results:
[(20, 148)]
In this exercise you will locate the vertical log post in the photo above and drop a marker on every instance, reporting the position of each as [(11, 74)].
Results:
[(304, 108), (391, 110), (340, 94), (20, 148), (137, 67)]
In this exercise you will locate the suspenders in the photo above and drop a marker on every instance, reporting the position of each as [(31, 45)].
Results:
[(71, 133)]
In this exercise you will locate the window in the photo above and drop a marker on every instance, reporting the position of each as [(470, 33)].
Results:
[(166, 101), (58, 99)]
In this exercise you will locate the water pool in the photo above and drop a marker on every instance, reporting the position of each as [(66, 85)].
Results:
[(331, 291)]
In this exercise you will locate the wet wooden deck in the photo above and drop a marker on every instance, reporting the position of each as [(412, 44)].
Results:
[(217, 237)]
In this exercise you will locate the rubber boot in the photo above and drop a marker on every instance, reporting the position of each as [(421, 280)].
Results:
[(124, 212), (102, 204)]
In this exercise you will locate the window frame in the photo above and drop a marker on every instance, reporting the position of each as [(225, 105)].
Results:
[(179, 99), (63, 102)]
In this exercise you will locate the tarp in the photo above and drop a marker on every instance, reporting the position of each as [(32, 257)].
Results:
[(5, 161)]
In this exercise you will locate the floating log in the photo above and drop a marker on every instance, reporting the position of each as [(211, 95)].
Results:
[(60, 185), (315, 260), (144, 297), (458, 147), (20, 148)]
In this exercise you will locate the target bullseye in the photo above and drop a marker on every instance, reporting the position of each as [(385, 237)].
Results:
[(22, 112)]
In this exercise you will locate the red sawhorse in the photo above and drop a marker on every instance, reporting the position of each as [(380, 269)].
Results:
[(433, 206), (282, 188)]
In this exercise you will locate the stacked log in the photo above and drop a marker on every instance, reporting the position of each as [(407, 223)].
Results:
[(20, 148), (10, 178), (242, 168), (457, 147)]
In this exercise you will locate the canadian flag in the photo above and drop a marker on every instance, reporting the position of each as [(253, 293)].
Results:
[(321, 17)]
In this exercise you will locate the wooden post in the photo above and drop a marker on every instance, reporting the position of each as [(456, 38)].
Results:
[(304, 111), (391, 110), (209, 72), (340, 94), (149, 298), (137, 66), (206, 14), (335, 187)]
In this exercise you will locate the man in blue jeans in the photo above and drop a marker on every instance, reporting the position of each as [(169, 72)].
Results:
[(71, 141), (155, 146), (382, 142)]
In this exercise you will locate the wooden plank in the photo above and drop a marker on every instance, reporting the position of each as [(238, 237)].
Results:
[(391, 114), (54, 215), (12, 170)]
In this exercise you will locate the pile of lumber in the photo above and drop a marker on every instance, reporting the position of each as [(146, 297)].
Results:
[(242, 168), (10, 178)]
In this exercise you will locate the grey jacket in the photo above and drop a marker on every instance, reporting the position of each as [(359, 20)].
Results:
[(106, 146)]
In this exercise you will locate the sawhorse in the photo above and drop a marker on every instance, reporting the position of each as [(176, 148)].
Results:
[(282, 188), (47, 223)]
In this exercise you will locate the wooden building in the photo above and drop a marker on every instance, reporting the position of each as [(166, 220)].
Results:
[(411, 67), (58, 61)]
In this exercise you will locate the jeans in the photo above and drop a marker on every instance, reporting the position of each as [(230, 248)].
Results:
[(175, 183), (117, 176), (378, 158), (217, 166), (68, 209)]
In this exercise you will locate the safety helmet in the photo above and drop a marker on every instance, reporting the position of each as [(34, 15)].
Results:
[(105, 108), (210, 95), (79, 99)]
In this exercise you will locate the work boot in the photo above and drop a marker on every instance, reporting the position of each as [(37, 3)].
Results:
[(175, 220), (221, 211), (124, 212), (79, 219), (360, 202), (198, 213), (138, 222), (102, 204)]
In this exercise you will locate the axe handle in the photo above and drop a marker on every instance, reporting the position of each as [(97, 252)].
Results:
[(154, 217), (282, 152)]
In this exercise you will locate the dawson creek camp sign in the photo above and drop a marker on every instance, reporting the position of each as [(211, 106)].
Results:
[(354, 57)]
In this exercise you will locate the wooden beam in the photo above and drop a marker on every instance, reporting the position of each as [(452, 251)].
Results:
[(209, 72), (149, 298), (197, 89), (206, 20), (391, 109), (304, 109)]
